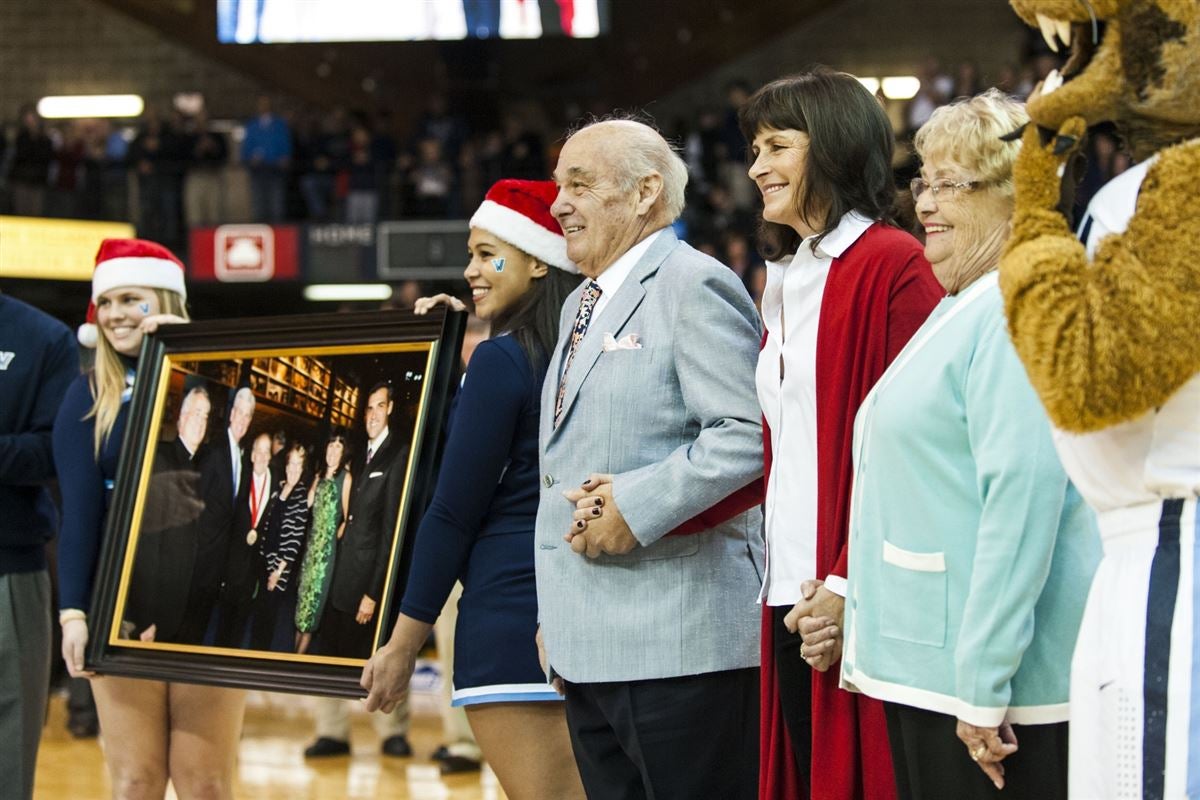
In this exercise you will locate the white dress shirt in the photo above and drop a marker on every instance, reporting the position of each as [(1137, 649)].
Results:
[(373, 445), (611, 279), (792, 297), (235, 456), (260, 492)]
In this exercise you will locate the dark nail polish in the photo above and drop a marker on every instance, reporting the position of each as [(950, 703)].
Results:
[(595, 512), (599, 501), (579, 524)]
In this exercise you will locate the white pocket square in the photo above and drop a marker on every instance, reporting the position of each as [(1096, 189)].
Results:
[(629, 341), (374, 474)]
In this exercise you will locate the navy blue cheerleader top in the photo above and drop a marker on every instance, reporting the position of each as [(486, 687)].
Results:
[(86, 485), (488, 481)]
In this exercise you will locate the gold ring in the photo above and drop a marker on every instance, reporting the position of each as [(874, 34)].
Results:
[(978, 752)]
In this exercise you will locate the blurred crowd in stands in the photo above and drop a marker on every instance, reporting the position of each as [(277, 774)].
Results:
[(170, 172)]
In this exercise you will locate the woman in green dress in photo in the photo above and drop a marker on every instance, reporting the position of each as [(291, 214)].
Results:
[(328, 498)]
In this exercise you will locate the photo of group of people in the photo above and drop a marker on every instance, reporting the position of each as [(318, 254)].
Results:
[(272, 503)]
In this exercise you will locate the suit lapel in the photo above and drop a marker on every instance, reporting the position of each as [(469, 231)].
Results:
[(612, 318)]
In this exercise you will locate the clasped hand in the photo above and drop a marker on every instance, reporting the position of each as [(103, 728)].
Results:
[(818, 620), (598, 526)]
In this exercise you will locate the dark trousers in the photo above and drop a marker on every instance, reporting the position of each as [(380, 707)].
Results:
[(795, 693), (685, 738), (931, 762), (274, 625), (201, 604), (339, 635), (234, 610)]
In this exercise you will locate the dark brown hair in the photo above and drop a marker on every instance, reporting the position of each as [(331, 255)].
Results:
[(533, 320), (849, 162)]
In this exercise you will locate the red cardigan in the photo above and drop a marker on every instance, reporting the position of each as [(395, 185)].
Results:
[(876, 296)]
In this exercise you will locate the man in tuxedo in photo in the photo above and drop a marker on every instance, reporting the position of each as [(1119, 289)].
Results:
[(167, 541), (363, 553), (243, 565), (223, 469)]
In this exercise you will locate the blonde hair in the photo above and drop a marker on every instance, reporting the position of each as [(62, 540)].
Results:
[(967, 133), (107, 380)]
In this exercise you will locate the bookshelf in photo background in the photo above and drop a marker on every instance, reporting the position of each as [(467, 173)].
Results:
[(305, 384), (299, 383)]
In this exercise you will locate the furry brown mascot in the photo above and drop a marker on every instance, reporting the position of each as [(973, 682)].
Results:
[(1108, 327), (1107, 339)]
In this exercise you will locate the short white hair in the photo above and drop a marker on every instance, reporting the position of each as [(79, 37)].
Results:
[(245, 397), (192, 394), (645, 151)]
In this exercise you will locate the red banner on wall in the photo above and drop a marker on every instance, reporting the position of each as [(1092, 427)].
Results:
[(245, 253)]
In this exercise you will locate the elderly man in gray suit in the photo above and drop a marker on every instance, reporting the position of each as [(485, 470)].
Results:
[(649, 417)]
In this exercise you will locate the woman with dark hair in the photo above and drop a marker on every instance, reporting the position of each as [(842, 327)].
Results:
[(845, 291), (282, 541), (479, 527), (329, 501)]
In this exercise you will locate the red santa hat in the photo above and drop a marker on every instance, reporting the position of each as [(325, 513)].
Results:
[(130, 262), (519, 213)]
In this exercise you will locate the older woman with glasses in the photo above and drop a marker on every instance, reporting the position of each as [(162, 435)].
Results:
[(970, 551)]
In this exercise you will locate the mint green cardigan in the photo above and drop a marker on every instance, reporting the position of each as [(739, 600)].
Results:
[(970, 551)]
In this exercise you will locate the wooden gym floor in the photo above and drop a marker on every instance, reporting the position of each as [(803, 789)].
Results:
[(272, 765)]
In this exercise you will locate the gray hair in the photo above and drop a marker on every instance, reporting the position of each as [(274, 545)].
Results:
[(645, 151), (245, 397), (194, 392)]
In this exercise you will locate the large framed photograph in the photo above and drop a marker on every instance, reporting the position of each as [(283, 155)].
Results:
[(272, 475)]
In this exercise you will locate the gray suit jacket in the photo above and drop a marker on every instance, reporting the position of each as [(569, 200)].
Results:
[(678, 424)]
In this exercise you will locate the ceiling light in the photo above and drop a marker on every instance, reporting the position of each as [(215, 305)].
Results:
[(901, 87), (871, 84), (347, 292), (90, 106)]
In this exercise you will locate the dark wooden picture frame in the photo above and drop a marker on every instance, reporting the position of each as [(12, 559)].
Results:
[(311, 376)]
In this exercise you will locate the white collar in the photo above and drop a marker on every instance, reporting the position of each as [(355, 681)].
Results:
[(611, 279), (237, 448), (849, 229), (373, 444)]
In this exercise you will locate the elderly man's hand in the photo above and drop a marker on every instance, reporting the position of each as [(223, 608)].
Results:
[(987, 747), (598, 525)]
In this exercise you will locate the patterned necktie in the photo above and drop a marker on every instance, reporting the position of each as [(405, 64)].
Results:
[(370, 452), (587, 302)]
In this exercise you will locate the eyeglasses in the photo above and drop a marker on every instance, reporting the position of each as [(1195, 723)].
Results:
[(951, 188)]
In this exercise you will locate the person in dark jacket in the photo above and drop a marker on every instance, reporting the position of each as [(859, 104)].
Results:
[(33, 153), (38, 361)]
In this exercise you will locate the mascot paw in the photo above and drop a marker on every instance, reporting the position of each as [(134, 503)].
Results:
[(1038, 173)]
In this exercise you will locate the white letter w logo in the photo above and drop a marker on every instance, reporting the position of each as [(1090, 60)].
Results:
[(6, 359)]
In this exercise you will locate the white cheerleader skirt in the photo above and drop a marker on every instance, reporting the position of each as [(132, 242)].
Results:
[(1135, 675)]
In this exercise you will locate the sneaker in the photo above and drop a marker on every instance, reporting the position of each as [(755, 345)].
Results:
[(324, 747), (452, 764), (83, 726), (397, 746)]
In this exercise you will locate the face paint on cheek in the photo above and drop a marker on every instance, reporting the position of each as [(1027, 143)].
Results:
[(144, 308), (498, 264)]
